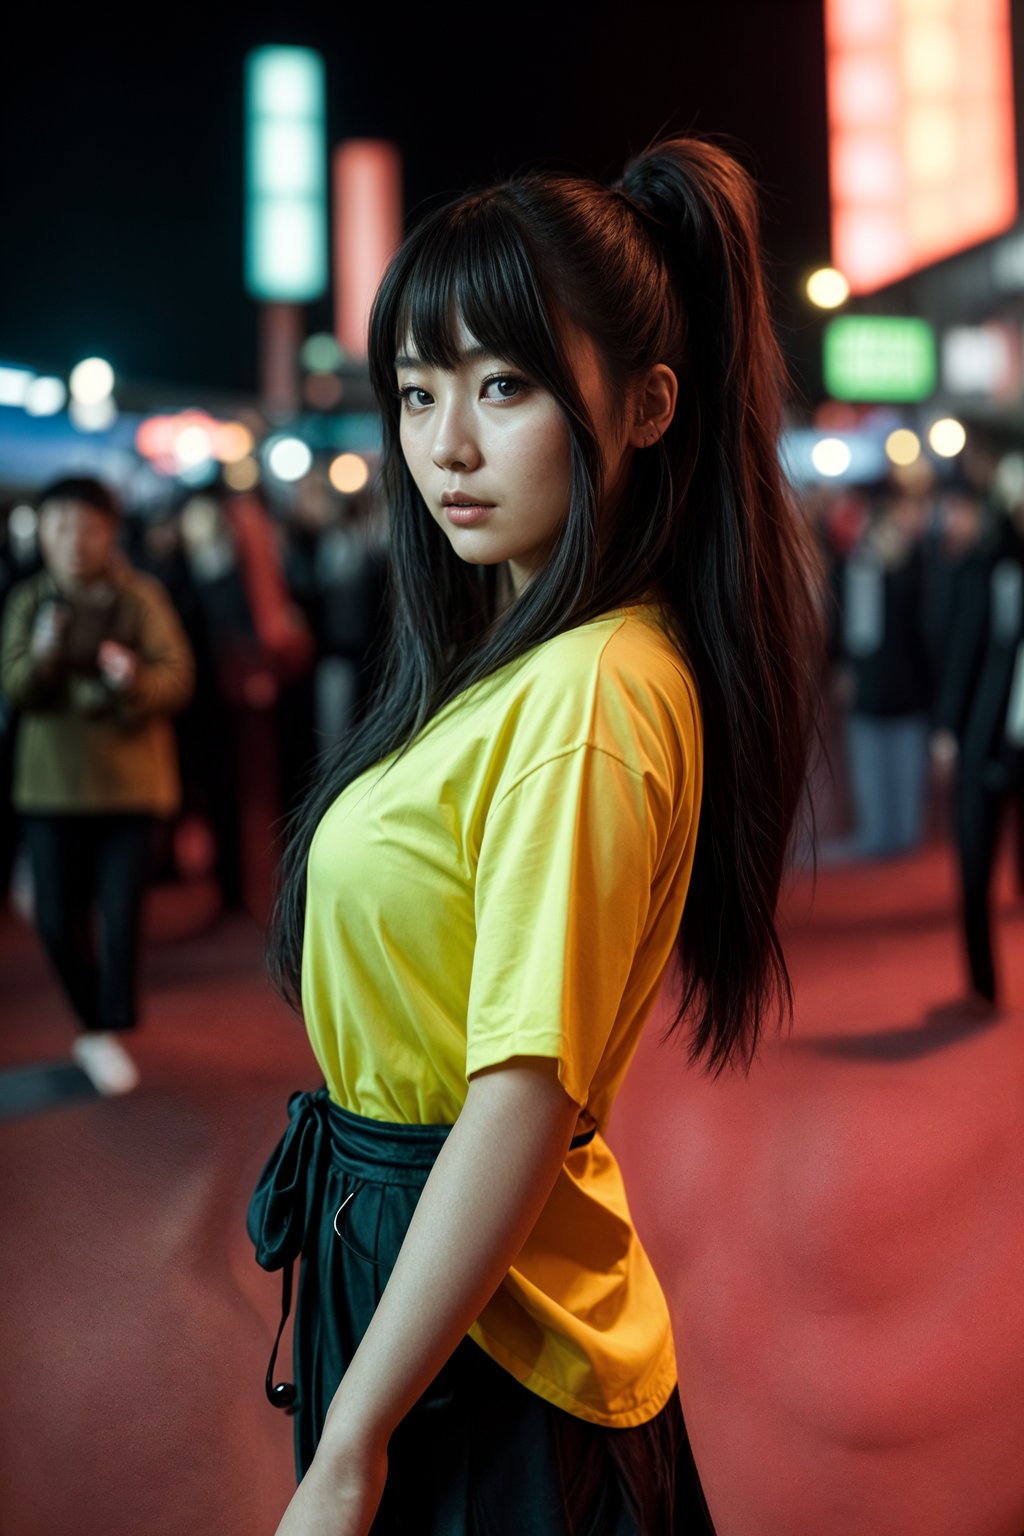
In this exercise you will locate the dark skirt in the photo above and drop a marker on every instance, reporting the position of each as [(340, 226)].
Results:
[(479, 1454)]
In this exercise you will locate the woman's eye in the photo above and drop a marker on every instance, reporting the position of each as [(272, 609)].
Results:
[(503, 386), (413, 398)]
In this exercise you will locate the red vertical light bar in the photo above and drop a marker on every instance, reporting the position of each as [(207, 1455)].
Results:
[(367, 185), (280, 339)]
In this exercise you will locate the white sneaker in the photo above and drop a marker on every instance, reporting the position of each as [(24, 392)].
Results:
[(105, 1062)]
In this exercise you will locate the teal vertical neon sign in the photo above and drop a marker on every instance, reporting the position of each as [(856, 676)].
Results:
[(285, 175)]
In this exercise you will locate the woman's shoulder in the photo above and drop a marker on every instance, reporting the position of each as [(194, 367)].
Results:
[(642, 646), (617, 683), (631, 649)]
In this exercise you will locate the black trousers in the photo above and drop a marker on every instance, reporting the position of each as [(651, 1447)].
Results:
[(90, 874), (982, 807), (479, 1454)]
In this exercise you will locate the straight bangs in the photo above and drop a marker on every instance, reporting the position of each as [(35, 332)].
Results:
[(470, 263)]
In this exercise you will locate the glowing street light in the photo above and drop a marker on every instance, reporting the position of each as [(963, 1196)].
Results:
[(232, 442), (827, 288), (193, 446), (903, 447), (349, 473), (288, 458), (46, 396), (831, 456), (91, 381), (947, 437), (15, 384)]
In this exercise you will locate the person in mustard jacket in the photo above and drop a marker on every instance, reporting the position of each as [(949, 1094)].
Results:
[(94, 662)]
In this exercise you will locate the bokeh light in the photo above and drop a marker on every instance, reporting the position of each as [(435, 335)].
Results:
[(288, 458), (232, 442), (323, 391), (242, 476), (831, 456), (154, 437), (46, 396), (903, 446), (827, 288), (22, 523), (15, 384), (192, 441), (947, 437), (203, 472), (91, 381), (93, 415), (349, 473), (193, 445), (200, 522), (1008, 480), (321, 353)]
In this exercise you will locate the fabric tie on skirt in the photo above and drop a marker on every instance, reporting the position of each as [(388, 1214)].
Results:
[(478, 1453), (338, 1191), (290, 1187)]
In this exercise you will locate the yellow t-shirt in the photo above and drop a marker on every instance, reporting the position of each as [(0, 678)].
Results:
[(513, 886)]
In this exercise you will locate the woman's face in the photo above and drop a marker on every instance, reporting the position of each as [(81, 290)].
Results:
[(489, 451)]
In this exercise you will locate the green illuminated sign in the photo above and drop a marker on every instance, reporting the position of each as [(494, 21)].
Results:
[(879, 357), (285, 175)]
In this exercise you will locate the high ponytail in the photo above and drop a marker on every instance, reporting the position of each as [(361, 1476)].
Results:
[(662, 268), (743, 581)]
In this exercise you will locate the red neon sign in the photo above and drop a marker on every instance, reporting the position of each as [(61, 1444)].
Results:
[(921, 132)]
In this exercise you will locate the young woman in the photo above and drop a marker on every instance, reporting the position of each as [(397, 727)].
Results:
[(593, 711)]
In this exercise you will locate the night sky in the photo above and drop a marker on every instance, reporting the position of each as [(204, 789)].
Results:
[(122, 194)]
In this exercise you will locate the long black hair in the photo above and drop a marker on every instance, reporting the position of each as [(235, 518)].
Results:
[(664, 267)]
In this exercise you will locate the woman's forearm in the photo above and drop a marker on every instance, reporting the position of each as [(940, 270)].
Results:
[(482, 1199)]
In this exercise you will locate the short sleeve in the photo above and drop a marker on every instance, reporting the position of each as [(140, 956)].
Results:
[(563, 886)]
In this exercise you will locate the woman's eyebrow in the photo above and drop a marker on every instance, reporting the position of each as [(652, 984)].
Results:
[(471, 355)]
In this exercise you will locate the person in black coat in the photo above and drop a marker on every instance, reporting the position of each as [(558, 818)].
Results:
[(888, 680), (979, 726), (960, 526)]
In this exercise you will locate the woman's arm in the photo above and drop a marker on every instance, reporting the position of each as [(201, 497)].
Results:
[(490, 1183)]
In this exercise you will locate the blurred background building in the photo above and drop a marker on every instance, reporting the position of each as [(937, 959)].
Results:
[(193, 237)]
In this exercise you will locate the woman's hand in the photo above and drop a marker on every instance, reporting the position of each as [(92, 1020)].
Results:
[(338, 1496)]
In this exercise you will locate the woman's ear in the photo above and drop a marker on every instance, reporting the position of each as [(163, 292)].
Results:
[(655, 406)]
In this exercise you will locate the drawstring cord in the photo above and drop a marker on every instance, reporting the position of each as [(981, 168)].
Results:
[(284, 1395)]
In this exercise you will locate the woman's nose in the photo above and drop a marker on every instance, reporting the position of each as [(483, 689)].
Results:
[(455, 445)]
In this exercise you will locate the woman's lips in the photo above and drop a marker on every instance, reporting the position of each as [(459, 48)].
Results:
[(464, 514)]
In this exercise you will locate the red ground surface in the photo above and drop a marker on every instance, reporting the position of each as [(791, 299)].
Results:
[(840, 1235)]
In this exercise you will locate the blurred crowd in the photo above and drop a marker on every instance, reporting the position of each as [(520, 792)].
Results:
[(280, 604), (924, 693)]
